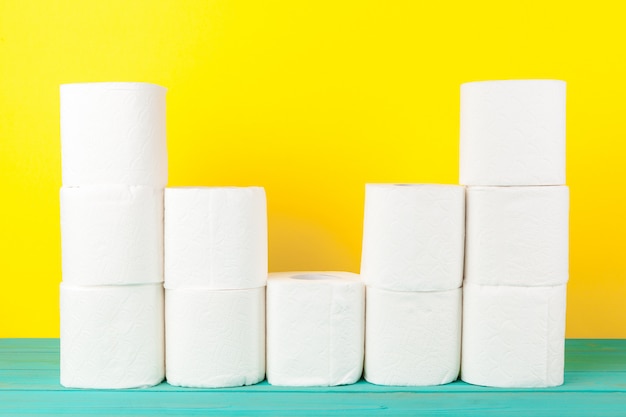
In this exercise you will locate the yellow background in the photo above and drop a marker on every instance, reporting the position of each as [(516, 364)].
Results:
[(311, 99)]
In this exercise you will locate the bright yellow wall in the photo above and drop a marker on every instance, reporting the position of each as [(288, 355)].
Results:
[(310, 99)]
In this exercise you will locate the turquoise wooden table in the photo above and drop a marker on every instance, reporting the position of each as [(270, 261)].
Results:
[(595, 385)]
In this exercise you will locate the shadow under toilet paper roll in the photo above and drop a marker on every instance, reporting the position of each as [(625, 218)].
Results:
[(513, 336), (112, 336), (215, 338), (315, 328), (113, 133)]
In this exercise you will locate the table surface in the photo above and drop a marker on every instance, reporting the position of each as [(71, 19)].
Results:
[(595, 385)]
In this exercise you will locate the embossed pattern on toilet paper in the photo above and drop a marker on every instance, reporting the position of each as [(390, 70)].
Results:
[(557, 310), (413, 237), (513, 336), (112, 235), (517, 236), (215, 338), (347, 332), (412, 338), (113, 133), (215, 237), (112, 337), (513, 133), (315, 328)]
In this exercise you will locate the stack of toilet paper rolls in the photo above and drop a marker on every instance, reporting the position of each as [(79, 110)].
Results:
[(215, 278), (412, 265), (114, 170), (516, 266)]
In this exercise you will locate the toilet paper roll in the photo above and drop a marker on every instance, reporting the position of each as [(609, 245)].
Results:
[(215, 338), (215, 237), (112, 235), (315, 326), (413, 236), (412, 338), (513, 336), (513, 133), (517, 236), (112, 337), (113, 133)]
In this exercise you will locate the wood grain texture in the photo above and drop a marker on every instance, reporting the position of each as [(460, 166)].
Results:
[(595, 384)]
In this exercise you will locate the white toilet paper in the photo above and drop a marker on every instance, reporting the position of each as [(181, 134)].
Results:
[(315, 326), (112, 337), (215, 338), (112, 235), (413, 236), (513, 133), (215, 237), (113, 133), (517, 236), (412, 338), (513, 336)]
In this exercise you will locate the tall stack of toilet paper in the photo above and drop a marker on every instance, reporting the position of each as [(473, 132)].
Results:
[(516, 266), (412, 265), (215, 278), (114, 170)]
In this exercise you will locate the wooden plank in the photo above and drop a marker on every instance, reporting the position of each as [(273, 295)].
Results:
[(607, 355), (581, 354), (21, 345), (29, 360), (48, 380), (147, 403), (595, 384)]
